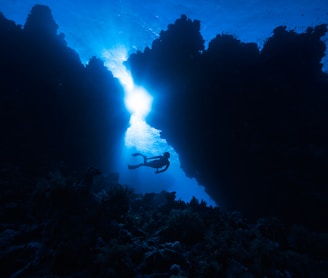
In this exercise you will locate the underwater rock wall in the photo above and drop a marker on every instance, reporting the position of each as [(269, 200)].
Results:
[(248, 124), (55, 110)]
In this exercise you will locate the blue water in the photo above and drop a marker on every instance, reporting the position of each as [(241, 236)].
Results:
[(141, 137)]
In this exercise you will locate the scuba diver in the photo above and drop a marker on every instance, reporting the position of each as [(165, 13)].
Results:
[(161, 161)]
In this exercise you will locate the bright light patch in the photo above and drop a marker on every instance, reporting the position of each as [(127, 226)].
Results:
[(145, 138), (137, 100)]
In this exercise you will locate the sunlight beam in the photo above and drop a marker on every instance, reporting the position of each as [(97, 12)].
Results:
[(137, 101), (142, 137)]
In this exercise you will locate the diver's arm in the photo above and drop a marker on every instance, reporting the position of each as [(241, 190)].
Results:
[(167, 166)]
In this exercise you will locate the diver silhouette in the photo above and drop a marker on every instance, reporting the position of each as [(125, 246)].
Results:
[(161, 161)]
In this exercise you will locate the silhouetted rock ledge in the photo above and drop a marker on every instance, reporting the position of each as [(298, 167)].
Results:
[(249, 124)]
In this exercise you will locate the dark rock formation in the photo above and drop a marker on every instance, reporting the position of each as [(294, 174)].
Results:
[(55, 110), (249, 125)]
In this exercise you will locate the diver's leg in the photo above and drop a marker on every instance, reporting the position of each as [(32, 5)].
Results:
[(139, 154), (131, 167), (153, 164), (144, 157)]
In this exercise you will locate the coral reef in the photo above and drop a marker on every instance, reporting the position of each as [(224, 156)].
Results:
[(60, 226)]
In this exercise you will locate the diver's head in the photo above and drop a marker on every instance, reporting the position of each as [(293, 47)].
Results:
[(167, 154)]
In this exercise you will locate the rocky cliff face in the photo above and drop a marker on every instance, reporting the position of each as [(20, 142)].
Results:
[(248, 124)]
